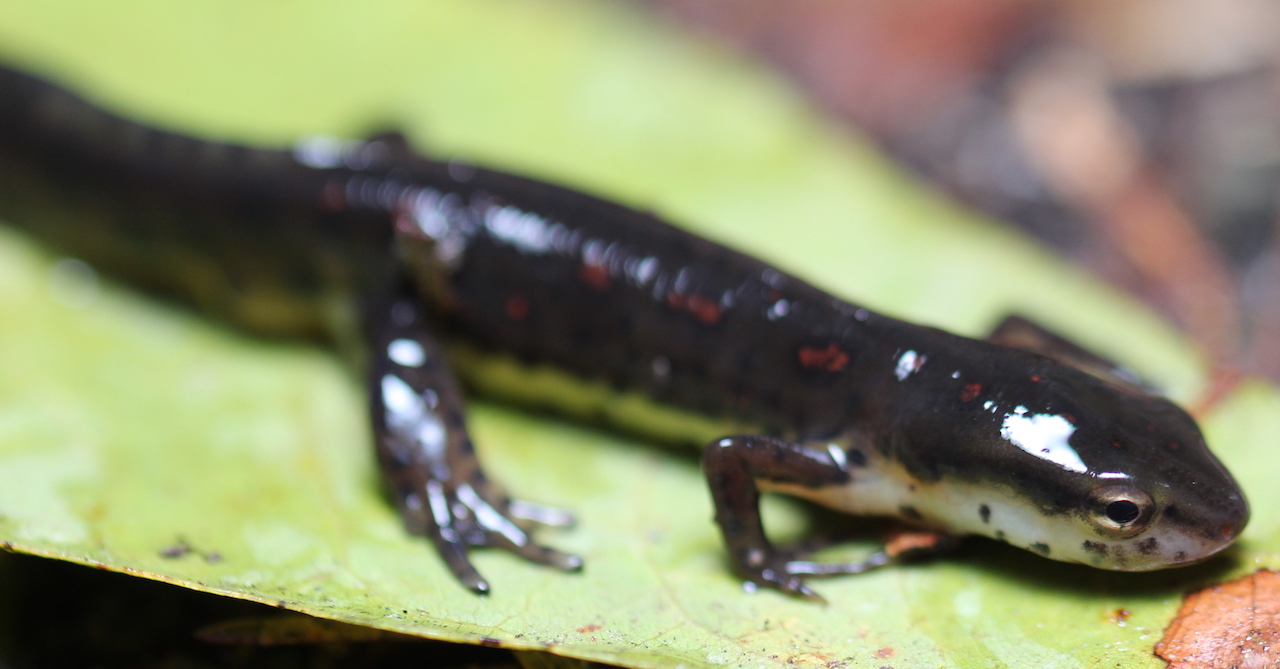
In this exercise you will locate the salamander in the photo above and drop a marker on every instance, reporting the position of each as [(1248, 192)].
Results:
[(392, 255)]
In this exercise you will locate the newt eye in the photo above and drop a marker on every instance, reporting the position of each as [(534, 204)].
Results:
[(1119, 510), (1123, 511)]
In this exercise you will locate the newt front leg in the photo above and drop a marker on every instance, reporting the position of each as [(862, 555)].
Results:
[(734, 467), (427, 457)]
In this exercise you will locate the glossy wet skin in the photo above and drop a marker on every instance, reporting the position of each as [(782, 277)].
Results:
[(384, 252), (1058, 461)]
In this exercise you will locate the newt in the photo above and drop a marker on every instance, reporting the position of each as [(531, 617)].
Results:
[(393, 255)]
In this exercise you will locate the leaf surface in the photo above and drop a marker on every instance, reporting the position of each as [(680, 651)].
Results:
[(140, 438)]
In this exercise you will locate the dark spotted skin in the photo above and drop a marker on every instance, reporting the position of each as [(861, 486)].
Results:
[(384, 252)]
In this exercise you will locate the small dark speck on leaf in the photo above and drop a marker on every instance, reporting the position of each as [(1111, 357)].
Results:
[(177, 550)]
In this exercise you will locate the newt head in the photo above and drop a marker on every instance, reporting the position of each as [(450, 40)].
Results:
[(1070, 466), (1152, 495)]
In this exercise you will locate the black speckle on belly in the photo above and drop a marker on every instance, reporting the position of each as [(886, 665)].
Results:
[(1040, 548), (910, 512), (1096, 547), (1148, 546), (985, 512)]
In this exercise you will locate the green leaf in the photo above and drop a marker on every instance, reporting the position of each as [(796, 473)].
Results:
[(140, 438)]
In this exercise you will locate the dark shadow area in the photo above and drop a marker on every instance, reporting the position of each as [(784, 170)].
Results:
[(836, 536), (56, 614), (1046, 575)]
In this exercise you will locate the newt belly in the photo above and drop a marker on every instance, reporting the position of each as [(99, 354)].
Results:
[(388, 253)]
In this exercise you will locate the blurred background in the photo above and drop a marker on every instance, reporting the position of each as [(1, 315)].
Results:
[(1139, 138)]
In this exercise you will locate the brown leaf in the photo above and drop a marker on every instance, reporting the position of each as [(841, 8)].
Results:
[(1235, 624)]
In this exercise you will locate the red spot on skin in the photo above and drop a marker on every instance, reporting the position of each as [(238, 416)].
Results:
[(1173, 445), (1036, 379), (404, 222), (970, 392), (596, 276), (706, 311), (333, 197), (517, 307), (829, 359), (886, 652), (589, 628)]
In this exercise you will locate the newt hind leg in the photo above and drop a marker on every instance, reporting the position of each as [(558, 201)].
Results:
[(427, 457), (1024, 333)]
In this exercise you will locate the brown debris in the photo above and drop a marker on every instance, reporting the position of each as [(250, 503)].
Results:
[(1234, 624), (1089, 153), (1120, 616), (1138, 138), (906, 541), (881, 64)]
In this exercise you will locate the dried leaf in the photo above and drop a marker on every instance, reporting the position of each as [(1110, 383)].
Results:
[(1236, 624)]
